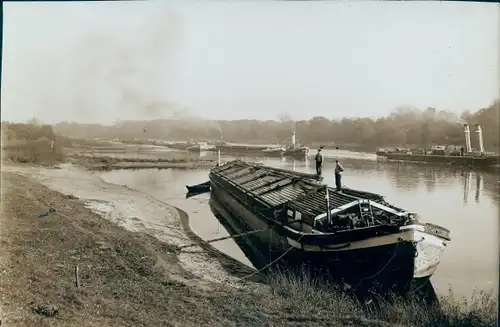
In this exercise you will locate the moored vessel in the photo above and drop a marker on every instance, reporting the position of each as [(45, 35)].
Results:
[(466, 156), (181, 145), (351, 235), (274, 151), (296, 150), (242, 149), (198, 147), (199, 188)]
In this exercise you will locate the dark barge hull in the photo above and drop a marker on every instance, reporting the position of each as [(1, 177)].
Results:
[(449, 160), (388, 267)]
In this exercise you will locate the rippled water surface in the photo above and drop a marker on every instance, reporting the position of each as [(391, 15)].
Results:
[(463, 201)]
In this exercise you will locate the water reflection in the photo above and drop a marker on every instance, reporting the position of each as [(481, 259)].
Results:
[(409, 177), (466, 186), (244, 243), (467, 176), (479, 181)]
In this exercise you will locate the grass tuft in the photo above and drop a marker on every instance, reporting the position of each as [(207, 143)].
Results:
[(306, 297)]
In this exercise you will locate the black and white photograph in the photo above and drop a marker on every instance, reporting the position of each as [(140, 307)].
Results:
[(250, 163)]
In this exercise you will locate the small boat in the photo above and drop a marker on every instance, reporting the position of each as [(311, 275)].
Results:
[(275, 151), (351, 235), (199, 147), (200, 188), (195, 148), (297, 152), (247, 149), (181, 145)]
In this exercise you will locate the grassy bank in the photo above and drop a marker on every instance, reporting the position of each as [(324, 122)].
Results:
[(33, 144), (130, 279), (313, 297), (39, 145)]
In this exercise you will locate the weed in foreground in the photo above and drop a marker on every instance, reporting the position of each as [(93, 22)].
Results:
[(306, 297)]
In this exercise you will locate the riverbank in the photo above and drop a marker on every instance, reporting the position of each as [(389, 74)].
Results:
[(127, 279), (108, 156), (124, 243)]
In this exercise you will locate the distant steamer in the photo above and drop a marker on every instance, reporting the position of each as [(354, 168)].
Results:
[(293, 150), (465, 157)]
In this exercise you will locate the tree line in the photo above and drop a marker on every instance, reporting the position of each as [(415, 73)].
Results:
[(404, 126)]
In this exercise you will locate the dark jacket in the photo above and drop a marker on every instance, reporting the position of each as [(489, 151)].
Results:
[(319, 159)]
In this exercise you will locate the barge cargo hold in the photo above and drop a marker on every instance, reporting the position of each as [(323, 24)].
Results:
[(351, 235)]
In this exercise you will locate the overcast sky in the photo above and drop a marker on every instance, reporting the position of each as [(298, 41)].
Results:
[(98, 62)]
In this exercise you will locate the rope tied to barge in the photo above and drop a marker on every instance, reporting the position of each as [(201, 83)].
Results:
[(258, 271), (225, 238)]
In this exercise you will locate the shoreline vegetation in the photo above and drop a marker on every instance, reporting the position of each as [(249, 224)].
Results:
[(133, 279), (405, 127)]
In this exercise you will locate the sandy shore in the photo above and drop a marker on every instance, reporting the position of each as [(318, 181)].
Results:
[(131, 209), (130, 271)]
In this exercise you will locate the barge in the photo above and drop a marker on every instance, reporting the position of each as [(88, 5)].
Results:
[(352, 236), (295, 150), (468, 157), (466, 160), (274, 151), (247, 149)]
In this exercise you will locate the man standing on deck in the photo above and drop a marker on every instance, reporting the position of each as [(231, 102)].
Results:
[(338, 170), (319, 162)]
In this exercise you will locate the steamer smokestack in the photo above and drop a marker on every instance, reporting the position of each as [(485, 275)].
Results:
[(479, 132), (468, 147), (293, 138)]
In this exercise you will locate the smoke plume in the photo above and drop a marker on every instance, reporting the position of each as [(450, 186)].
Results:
[(125, 70)]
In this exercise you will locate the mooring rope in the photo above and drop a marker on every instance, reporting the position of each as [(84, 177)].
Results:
[(381, 269), (224, 238), (269, 264)]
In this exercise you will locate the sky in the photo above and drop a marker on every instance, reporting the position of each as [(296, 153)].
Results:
[(95, 62)]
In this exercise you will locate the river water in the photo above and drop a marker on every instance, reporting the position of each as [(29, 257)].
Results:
[(466, 202)]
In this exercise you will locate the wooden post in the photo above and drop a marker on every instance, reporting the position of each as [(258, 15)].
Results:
[(328, 213), (77, 276)]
